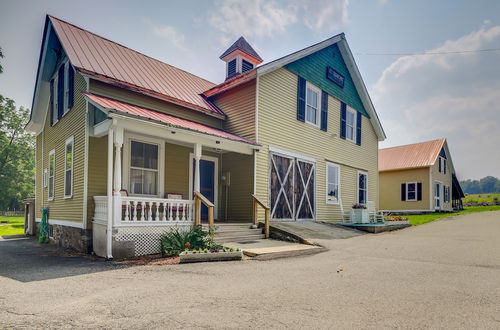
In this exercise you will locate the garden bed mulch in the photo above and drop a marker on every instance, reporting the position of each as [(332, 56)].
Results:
[(151, 260)]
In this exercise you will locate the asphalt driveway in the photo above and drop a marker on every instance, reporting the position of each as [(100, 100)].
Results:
[(444, 274)]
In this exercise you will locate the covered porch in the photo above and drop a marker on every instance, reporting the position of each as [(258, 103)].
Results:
[(166, 171)]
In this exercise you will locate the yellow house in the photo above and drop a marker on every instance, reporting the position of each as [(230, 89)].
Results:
[(418, 177), (127, 144)]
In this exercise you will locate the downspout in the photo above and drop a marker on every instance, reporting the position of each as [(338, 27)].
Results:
[(109, 229)]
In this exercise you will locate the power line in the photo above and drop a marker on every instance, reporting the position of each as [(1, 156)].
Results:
[(432, 53)]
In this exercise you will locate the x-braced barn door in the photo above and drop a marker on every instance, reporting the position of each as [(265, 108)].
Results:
[(291, 188)]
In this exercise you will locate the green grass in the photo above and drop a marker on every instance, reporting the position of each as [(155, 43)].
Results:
[(11, 226), (481, 198), (420, 219)]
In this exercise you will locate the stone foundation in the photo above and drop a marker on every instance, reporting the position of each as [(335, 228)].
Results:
[(73, 238)]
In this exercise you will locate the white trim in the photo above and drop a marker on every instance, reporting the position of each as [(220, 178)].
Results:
[(70, 140), (416, 192), (357, 186), (431, 196), (338, 183), (257, 109), (355, 124), (128, 137), (318, 104), (51, 152), (74, 224), (86, 160), (291, 154), (440, 195), (216, 178), (66, 87)]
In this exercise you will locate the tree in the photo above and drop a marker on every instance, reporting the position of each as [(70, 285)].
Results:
[(486, 185), (1, 56), (16, 156)]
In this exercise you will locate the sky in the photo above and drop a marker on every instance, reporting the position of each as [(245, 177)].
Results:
[(452, 94)]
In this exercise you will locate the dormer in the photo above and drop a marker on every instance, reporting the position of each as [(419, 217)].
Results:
[(240, 58)]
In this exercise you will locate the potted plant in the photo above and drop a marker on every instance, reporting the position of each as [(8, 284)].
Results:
[(359, 214)]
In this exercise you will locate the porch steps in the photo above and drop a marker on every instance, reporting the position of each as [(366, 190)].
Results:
[(237, 233)]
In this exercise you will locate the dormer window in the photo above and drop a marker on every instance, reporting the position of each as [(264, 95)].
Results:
[(240, 58)]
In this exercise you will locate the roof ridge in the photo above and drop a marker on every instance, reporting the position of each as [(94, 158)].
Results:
[(135, 51), (412, 144)]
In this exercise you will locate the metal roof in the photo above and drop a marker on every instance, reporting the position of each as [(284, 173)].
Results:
[(103, 58), (416, 155), (244, 46), (144, 113)]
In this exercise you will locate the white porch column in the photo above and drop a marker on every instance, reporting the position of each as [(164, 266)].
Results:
[(117, 182), (197, 158), (109, 229)]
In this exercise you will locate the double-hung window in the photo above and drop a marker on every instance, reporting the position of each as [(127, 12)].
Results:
[(55, 99), (66, 87), (68, 167), (332, 183), (362, 187), (144, 174), (411, 191), (442, 165), (312, 104), (52, 169), (350, 125)]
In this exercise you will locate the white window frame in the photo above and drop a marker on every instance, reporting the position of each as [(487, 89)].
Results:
[(55, 100), (71, 141), (66, 88), (442, 162), (407, 192), (49, 197), (45, 177), (318, 100), (127, 154), (354, 123), (328, 165), (440, 197), (357, 186)]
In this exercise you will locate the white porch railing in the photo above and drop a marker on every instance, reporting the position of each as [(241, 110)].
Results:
[(146, 210)]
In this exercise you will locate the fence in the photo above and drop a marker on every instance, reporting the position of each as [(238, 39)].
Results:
[(19, 213)]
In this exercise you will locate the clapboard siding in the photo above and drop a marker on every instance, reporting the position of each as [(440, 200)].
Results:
[(390, 189), (97, 172), (54, 137), (279, 127), (145, 101), (38, 176), (239, 106)]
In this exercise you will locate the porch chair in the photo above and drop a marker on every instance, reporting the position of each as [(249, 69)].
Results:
[(344, 216), (172, 195), (375, 216)]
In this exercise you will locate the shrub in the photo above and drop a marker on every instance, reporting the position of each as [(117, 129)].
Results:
[(180, 239)]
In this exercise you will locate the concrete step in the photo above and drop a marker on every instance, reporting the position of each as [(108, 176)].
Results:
[(238, 238), (238, 232)]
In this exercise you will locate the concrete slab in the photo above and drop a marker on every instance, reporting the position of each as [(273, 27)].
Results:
[(266, 249), (310, 232)]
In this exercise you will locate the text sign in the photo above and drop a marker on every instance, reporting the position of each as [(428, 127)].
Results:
[(334, 76)]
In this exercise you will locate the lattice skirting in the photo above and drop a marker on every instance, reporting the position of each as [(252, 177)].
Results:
[(146, 238)]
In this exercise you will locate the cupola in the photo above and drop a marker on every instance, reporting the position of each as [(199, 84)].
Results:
[(240, 58)]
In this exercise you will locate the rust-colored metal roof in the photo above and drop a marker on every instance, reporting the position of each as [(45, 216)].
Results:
[(103, 58), (126, 108), (416, 155), (230, 83)]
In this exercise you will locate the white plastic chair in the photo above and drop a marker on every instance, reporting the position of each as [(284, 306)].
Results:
[(375, 216), (345, 217)]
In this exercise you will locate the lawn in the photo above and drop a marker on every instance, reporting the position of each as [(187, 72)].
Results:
[(11, 225), (420, 219), (482, 198)]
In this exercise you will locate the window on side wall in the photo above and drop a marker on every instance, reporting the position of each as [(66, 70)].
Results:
[(350, 132), (332, 183), (55, 101), (143, 168), (68, 167), (66, 87), (312, 104), (52, 169), (362, 187)]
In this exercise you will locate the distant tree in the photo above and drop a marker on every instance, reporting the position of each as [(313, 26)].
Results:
[(1, 56), (486, 185), (16, 156)]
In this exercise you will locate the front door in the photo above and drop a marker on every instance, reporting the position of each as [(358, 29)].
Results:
[(437, 195), (207, 183), (291, 188)]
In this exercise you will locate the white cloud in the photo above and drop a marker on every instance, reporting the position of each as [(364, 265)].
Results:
[(170, 34), (454, 96), (324, 15)]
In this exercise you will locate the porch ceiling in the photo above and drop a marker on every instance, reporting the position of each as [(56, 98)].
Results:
[(112, 105)]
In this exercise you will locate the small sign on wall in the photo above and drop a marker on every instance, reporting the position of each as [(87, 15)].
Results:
[(334, 76)]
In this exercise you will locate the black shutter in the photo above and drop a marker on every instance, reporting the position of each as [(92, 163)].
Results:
[(343, 118), (301, 99), (51, 102), (324, 110), (60, 92), (419, 191), (444, 163), (358, 129), (403, 192), (439, 159), (71, 82)]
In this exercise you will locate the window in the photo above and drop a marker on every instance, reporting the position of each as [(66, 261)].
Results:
[(332, 183), (411, 191), (52, 169), (143, 168), (442, 165), (437, 195), (312, 104), (68, 168), (246, 66), (446, 194), (362, 187), (55, 101), (66, 87), (350, 129)]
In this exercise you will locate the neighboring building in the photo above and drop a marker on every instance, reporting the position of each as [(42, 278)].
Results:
[(123, 140), (418, 177)]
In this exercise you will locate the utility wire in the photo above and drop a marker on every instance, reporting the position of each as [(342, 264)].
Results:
[(432, 53)]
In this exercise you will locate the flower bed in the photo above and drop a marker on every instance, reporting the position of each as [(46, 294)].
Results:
[(212, 254)]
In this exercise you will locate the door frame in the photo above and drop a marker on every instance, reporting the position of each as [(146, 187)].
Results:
[(295, 156), (216, 179), (440, 195)]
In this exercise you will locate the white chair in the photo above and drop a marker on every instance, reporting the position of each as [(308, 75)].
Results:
[(345, 217), (375, 216)]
